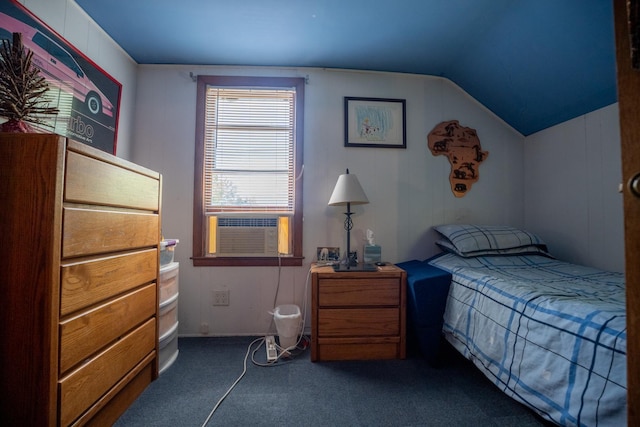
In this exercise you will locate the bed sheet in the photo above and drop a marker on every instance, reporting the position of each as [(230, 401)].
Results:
[(548, 333)]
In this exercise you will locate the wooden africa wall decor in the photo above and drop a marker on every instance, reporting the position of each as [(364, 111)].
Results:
[(462, 147)]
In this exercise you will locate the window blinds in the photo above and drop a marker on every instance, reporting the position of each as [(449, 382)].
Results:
[(249, 150)]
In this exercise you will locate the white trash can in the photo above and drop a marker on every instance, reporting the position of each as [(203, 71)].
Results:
[(287, 318)]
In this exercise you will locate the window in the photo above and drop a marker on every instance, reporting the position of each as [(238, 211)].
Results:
[(248, 171)]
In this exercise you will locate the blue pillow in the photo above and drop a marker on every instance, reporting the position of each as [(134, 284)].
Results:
[(474, 240)]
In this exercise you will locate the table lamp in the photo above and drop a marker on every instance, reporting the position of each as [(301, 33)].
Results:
[(348, 191)]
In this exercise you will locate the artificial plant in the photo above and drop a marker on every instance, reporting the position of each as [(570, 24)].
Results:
[(23, 90)]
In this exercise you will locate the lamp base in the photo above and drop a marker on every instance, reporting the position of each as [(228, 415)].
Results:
[(354, 268)]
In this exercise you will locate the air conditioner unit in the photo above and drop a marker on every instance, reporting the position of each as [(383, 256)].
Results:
[(247, 236)]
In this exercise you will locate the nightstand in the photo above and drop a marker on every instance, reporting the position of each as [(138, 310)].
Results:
[(358, 315)]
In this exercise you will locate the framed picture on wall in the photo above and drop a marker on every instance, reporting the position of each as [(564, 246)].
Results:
[(87, 98), (375, 122)]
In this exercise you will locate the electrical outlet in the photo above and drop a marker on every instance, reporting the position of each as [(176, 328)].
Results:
[(221, 297), (204, 328)]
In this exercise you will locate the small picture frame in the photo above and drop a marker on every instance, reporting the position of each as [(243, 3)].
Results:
[(375, 122), (327, 254)]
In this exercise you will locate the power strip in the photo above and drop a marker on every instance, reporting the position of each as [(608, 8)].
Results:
[(272, 352)]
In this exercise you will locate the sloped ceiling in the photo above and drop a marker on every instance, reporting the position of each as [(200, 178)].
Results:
[(534, 63)]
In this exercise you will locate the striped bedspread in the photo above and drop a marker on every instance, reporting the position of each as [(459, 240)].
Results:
[(550, 334)]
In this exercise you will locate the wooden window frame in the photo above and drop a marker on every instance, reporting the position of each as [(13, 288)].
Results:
[(199, 256)]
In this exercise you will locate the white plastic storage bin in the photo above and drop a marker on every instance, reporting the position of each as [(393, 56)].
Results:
[(169, 280), (167, 251), (168, 349), (168, 316)]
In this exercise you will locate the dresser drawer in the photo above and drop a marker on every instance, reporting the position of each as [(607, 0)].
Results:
[(83, 335), (93, 181), (83, 387), (89, 282), (88, 231), (358, 322), (110, 407), (359, 292)]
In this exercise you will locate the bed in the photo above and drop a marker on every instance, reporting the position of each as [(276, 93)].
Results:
[(550, 334)]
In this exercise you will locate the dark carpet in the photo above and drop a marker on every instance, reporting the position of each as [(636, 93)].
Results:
[(406, 392)]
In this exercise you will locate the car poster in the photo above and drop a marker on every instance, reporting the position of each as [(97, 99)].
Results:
[(87, 98)]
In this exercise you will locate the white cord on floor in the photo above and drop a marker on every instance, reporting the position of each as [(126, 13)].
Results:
[(283, 352), (244, 371)]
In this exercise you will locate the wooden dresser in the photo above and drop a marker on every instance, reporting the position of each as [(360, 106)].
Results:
[(358, 315), (79, 297)]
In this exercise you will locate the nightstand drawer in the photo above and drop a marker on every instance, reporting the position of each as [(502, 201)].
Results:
[(358, 322), (335, 349), (359, 292)]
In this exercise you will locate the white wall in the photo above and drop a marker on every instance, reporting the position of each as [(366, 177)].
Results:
[(408, 189), (572, 172), (569, 178), (67, 19)]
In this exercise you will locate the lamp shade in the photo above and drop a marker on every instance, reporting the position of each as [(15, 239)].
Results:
[(348, 190)]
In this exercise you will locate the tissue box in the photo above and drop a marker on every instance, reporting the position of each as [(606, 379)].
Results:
[(167, 249), (372, 253)]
